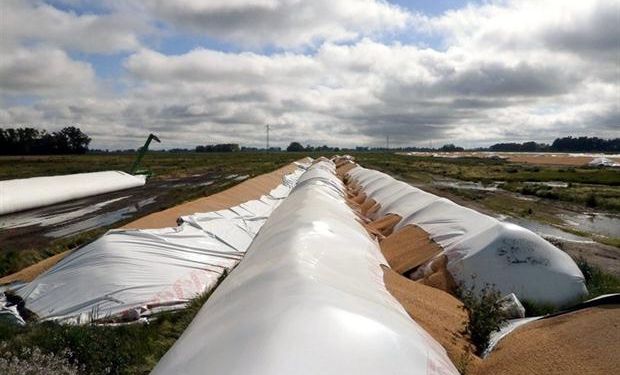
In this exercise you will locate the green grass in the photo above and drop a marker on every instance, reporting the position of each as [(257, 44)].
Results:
[(538, 309), (124, 349), (488, 170), (584, 182), (598, 282), (13, 260), (162, 164), (485, 314)]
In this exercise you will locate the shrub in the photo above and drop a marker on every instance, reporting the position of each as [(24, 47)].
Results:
[(537, 309), (35, 362), (597, 281), (485, 314), (591, 200), (100, 349)]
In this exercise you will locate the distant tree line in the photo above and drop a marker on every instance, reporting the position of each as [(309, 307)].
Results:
[(570, 144), (520, 147), (31, 141), (298, 147), (451, 148), (566, 144), (225, 147)]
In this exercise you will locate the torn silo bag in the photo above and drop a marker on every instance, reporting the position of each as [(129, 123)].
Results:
[(480, 249), (308, 298)]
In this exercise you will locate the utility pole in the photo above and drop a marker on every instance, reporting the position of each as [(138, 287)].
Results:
[(267, 130)]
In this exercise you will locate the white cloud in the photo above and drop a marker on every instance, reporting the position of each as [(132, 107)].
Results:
[(285, 23), (32, 22), (510, 71), (44, 71)]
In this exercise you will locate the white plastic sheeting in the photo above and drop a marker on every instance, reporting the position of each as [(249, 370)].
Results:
[(480, 249), (308, 298), (603, 162), (9, 312), (24, 194), (131, 273)]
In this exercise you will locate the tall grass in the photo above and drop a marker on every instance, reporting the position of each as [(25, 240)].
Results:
[(598, 282)]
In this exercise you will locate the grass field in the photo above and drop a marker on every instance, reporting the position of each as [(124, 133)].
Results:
[(161, 164), (587, 186)]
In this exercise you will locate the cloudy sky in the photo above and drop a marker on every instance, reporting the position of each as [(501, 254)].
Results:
[(337, 72)]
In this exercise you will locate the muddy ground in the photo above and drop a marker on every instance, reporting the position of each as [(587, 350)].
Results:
[(37, 228)]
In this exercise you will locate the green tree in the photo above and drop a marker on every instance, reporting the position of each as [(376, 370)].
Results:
[(295, 147)]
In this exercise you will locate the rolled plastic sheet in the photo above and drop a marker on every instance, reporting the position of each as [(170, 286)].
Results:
[(481, 250), (24, 194), (129, 274), (308, 298)]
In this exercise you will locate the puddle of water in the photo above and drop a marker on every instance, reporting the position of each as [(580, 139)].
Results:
[(100, 220), (241, 178), (468, 185), (545, 230), (606, 225), (557, 184), (231, 176), (192, 184), (46, 217), (524, 198)]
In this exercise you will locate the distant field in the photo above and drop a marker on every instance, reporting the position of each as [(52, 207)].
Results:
[(587, 186), (162, 164), (539, 158)]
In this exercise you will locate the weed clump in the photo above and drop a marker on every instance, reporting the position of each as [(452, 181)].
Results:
[(32, 361), (537, 309), (485, 313), (591, 200), (597, 281), (126, 349)]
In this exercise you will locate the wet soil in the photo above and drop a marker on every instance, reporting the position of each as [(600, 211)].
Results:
[(39, 227)]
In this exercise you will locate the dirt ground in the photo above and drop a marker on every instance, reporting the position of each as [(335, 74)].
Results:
[(29, 273), (582, 342), (550, 159), (243, 192), (565, 159), (50, 222)]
